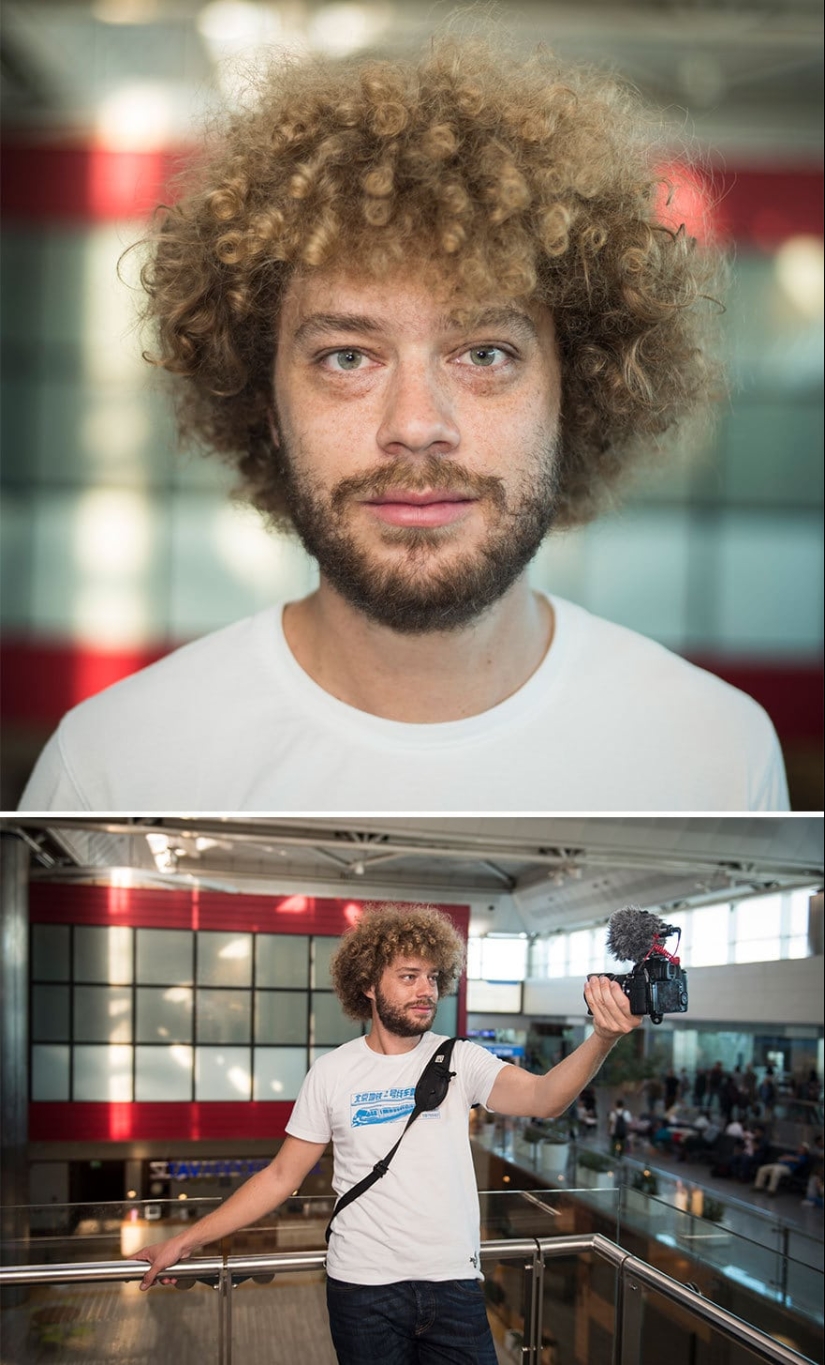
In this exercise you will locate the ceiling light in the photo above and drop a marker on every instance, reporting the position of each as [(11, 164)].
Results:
[(136, 118), (341, 29)]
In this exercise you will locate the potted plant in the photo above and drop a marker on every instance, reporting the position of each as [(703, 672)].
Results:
[(713, 1209), (594, 1170), (642, 1183), (553, 1137)]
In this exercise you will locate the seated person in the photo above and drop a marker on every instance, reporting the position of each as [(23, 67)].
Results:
[(754, 1153), (706, 1131), (790, 1163)]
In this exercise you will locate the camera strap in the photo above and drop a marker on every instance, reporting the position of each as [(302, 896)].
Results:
[(431, 1090)]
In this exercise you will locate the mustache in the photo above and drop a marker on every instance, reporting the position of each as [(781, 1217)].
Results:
[(416, 477)]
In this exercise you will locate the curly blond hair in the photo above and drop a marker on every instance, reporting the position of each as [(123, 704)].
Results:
[(515, 178), (385, 932)]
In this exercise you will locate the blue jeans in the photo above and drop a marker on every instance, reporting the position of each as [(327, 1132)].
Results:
[(413, 1322)]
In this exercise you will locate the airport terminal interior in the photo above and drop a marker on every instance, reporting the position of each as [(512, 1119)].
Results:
[(120, 546), (166, 980), (166, 987)]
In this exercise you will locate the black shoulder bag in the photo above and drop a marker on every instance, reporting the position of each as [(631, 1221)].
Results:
[(431, 1090)]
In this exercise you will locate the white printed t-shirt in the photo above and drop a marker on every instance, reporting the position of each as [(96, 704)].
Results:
[(608, 721), (420, 1221)]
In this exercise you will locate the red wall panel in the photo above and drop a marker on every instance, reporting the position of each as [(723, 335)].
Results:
[(178, 1122)]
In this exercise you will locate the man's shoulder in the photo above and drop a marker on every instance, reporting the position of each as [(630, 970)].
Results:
[(623, 662), (154, 731), (203, 664)]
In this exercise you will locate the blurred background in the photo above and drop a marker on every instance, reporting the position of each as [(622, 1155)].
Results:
[(118, 547)]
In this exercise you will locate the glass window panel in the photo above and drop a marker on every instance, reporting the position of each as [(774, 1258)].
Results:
[(474, 957), (50, 1071), (279, 1072), (222, 1073), (281, 960), (758, 950), (281, 1017), (446, 1016), (758, 918), (164, 957), (164, 1014), (223, 1016), (557, 955), (798, 946), (103, 1014), (50, 952), (799, 911), (709, 936), (494, 997), (504, 959), (50, 1014), (103, 1073), (103, 953), (324, 949), (579, 952), (768, 566), (224, 959), (330, 1024), (654, 604), (163, 1073)]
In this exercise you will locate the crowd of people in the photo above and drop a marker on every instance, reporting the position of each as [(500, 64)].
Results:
[(726, 1118)]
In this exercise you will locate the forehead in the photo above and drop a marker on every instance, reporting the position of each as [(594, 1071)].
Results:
[(411, 301), (404, 963)]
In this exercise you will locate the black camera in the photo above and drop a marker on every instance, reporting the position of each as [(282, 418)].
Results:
[(656, 985)]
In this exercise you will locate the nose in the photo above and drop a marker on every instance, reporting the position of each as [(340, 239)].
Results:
[(418, 416)]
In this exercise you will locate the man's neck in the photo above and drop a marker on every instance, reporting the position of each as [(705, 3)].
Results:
[(422, 678), (380, 1039)]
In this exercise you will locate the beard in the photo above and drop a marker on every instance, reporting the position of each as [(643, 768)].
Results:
[(425, 586), (400, 1021)]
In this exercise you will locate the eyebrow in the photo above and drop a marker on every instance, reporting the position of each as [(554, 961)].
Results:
[(325, 324)]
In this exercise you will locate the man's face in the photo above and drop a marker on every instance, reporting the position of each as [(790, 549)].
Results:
[(406, 997), (418, 443)]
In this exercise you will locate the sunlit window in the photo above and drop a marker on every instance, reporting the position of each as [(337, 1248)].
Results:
[(504, 959), (709, 936)]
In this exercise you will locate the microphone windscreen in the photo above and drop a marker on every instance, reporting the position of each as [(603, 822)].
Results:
[(631, 932)]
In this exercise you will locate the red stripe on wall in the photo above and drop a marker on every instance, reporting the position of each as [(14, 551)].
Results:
[(42, 681), (83, 1122), (143, 908), (58, 182), (80, 184)]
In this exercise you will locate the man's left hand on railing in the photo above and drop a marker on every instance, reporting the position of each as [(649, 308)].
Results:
[(163, 1254)]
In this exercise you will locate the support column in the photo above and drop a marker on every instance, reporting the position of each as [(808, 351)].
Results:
[(14, 1048)]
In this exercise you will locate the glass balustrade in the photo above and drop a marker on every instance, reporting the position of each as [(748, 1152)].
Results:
[(559, 1283)]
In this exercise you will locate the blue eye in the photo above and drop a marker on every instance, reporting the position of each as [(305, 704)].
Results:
[(347, 360)]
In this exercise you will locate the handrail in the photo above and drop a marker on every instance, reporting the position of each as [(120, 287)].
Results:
[(629, 1267)]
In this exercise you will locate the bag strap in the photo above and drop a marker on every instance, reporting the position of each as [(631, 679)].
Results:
[(432, 1087)]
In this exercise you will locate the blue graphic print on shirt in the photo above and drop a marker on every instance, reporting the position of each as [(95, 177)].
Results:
[(380, 1106)]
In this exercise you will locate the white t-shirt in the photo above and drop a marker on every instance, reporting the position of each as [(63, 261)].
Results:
[(420, 1221), (609, 721)]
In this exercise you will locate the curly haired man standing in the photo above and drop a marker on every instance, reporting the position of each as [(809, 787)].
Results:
[(430, 310), (403, 1268)]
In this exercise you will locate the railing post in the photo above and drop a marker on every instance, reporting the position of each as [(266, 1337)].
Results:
[(224, 1288), (627, 1344), (532, 1308), (783, 1263)]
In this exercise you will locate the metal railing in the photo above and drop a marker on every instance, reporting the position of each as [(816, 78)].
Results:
[(633, 1278)]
